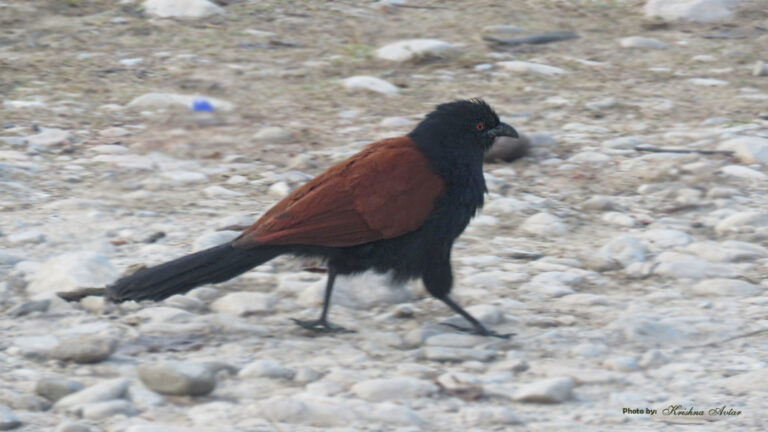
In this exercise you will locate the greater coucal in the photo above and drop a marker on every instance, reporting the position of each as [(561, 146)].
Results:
[(397, 206)]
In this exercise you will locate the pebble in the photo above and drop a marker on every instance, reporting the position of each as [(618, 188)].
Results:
[(760, 69), (396, 122), (279, 190), (684, 266), (641, 42), (370, 84), (395, 388), (26, 237), (69, 426), (527, 67), (183, 177), (104, 391), (725, 287), (742, 220), (104, 410), (707, 82), (177, 378), (54, 389), (589, 157), (274, 135), (86, 348), (181, 8), (220, 192), (544, 224), (48, 138), (489, 416), (551, 390), (623, 143), (114, 132), (619, 219), (646, 329), (73, 271), (8, 419), (666, 238), (728, 251), (414, 49), (742, 172), (748, 149), (653, 358), (244, 303), (622, 363), (702, 11), (449, 354), (8, 258), (266, 368), (214, 238)]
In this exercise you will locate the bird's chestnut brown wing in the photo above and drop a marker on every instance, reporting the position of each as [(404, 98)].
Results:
[(385, 191)]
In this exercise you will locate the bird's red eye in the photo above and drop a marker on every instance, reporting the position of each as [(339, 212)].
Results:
[(480, 126)]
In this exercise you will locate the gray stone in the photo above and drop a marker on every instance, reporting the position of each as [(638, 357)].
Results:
[(622, 363), (642, 42), (646, 329), (414, 49), (653, 358), (73, 271), (26, 237), (48, 138), (28, 307), (266, 368), (274, 135), (527, 67), (8, 419), (184, 177), (702, 11), (490, 416), (741, 220), (544, 224), (748, 149), (666, 238), (170, 100), (244, 303), (101, 392), (552, 390), (181, 8), (8, 258), (725, 287), (395, 388), (54, 389), (727, 251), (69, 426), (684, 266), (86, 348), (760, 69), (624, 250), (450, 354), (370, 84), (104, 410), (177, 378)]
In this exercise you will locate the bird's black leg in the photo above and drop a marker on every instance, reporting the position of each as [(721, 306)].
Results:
[(477, 327), (322, 324)]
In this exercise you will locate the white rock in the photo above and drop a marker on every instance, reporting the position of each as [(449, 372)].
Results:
[(181, 8), (114, 132), (641, 42), (623, 249), (279, 190), (666, 238), (168, 100), (622, 363), (527, 67), (684, 266), (369, 83), (544, 224), (589, 157), (177, 378), (727, 251), (68, 426), (708, 82), (725, 287), (411, 49), (489, 415), (450, 354), (220, 192), (619, 219), (395, 122), (26, 237), (85, 348), (703, 11), (103, 391), (104, 410), (742, 220), (8, 419), (454, 340), (395, 388), (244, 303), (760, 69), (48, 138), (184, 177), (749, 150), (552, 390), (266, 368), (506, 205), (109, 149), (646, 329), (623, 143), (73, 271), (274, 135)]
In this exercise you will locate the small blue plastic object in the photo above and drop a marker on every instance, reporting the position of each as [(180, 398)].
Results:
[(202, 105)]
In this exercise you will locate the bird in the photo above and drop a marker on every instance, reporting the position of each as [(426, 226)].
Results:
[(396, 207)]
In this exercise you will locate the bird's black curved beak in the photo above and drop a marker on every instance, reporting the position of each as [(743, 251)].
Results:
[(503, 129)]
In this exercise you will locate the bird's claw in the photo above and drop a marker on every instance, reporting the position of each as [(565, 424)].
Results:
[(320, 326), (479, 331)]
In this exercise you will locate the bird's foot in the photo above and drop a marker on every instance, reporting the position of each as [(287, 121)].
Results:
[(480, 331), (321, 326)]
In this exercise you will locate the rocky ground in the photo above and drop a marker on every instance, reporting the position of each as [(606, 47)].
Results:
[(631, 279)]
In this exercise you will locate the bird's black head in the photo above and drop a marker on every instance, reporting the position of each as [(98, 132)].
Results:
[(464, 126)]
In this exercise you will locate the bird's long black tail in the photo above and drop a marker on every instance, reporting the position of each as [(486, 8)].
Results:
[(213, 265)]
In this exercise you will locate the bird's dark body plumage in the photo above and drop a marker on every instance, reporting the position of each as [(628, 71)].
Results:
[(397, 206)]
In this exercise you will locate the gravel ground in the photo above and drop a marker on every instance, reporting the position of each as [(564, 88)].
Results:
[(633, 280)]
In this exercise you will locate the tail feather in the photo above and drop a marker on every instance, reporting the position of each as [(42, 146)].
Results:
[(217, 264)]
